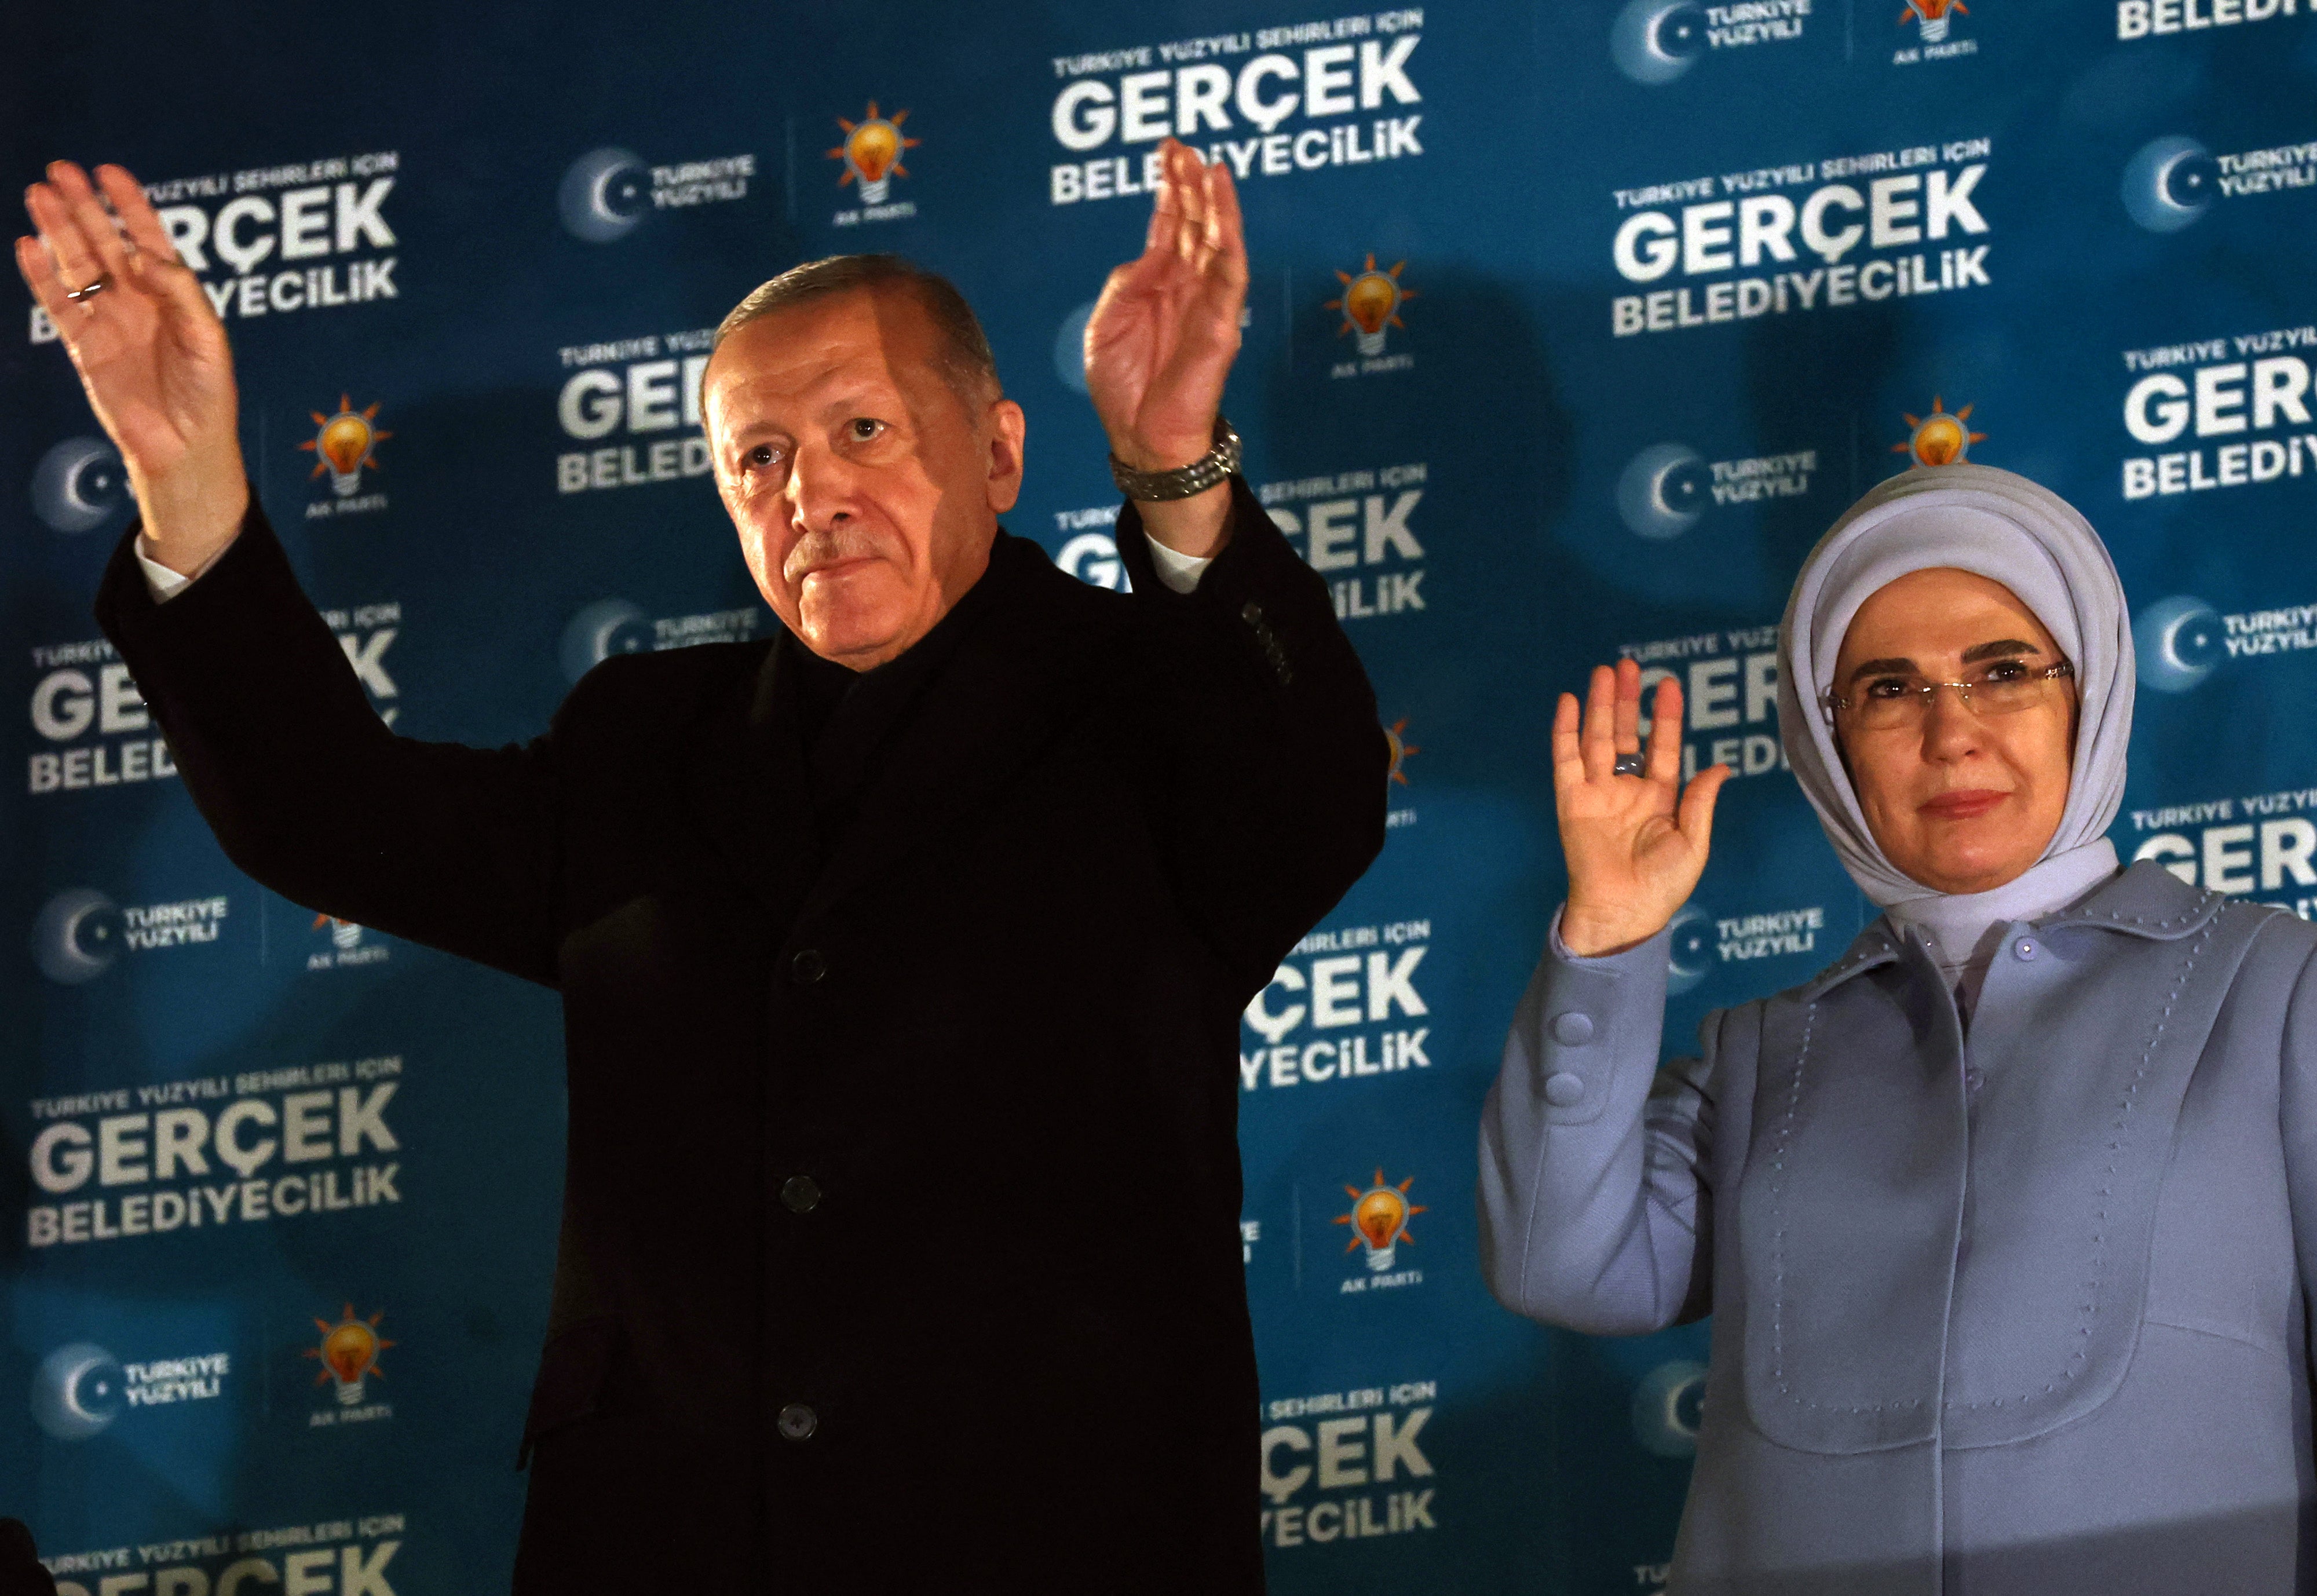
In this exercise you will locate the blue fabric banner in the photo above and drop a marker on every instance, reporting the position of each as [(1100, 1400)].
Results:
[(1571, 327)]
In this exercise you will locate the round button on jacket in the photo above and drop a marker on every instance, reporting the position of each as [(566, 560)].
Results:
[(1573, 1030), (807, 966), (797, 1421), (1564, 1091), (2024, 948), (800, 1194)]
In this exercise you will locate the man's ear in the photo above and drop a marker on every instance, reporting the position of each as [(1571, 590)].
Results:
[(1003, 428)]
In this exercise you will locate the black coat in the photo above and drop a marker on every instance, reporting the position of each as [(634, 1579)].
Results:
[(901, 1239)]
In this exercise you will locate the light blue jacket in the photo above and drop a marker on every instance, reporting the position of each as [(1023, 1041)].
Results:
[(2021, 1310)]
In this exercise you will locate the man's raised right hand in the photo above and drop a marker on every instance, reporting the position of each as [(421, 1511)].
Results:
[(151, 352)]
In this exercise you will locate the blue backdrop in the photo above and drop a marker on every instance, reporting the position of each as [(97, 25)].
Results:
[(1572, 326)]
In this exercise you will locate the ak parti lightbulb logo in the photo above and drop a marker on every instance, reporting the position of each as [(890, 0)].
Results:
[(1371, 302), (872, 153), (1932, 15), (346, 443), (1402, 750), (1379, 1219), (1939, 439), (349, 1352)]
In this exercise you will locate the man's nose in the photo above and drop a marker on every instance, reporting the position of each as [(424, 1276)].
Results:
[(823, 489)]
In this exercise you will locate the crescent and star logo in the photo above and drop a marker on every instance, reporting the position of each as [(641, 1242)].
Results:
[(80, 486)]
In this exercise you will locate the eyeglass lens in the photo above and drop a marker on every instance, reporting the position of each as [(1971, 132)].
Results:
[(2003, 688)]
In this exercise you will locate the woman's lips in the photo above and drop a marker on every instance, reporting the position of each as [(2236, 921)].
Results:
[(1966, 806)]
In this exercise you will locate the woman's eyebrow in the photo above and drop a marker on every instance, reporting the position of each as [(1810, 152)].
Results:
[(1882, 667), (1994, 650)]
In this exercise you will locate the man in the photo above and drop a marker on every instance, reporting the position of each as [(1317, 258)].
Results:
[(21, 1573), (901, 956)]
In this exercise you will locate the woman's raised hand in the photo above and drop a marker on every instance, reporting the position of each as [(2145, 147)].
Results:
[(150, 350), (1635, 844)]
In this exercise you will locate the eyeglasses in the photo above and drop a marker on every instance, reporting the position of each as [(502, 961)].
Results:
[(2000, 687)]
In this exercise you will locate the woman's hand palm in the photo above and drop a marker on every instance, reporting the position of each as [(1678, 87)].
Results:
[(1631, 841), (1635, 844)]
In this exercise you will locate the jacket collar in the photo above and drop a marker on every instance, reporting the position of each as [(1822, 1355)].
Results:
[(1026, 670), (747, 779), (2144, 901), (1877, 945), (963, 727)]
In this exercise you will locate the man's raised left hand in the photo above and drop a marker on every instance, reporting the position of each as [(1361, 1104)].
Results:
[(1163, 337)]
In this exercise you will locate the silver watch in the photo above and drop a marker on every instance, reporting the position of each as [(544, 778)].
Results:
[(1219, 460)]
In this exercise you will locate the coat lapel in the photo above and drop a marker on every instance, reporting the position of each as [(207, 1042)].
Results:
[(1949, 1238), (748, 783), (1848, 1205), (2087, 1052), (1029, 668)]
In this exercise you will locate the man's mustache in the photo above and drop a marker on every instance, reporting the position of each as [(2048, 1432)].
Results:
[(816, 549)]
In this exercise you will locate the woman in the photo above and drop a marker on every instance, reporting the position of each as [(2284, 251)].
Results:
[(2006, 1219)]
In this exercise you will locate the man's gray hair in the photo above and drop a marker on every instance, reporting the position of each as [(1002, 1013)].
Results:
[(963, 358)]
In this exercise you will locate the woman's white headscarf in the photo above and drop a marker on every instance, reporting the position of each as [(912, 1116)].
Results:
[(2004, 527)]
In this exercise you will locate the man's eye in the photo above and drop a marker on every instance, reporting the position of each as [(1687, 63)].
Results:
[(860, 429), (762, 455)]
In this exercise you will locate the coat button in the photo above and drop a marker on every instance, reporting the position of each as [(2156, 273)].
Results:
[(1564, 1091), (797, 1421), (800, 1194), (1972, 1079), (807, 966), (2024, 948), (1573, 1030)]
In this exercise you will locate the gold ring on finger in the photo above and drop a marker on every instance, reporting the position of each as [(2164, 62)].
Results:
[(80, 295)]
